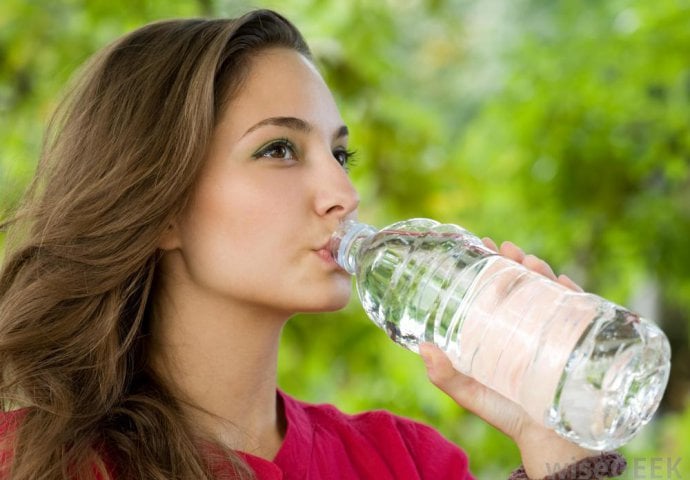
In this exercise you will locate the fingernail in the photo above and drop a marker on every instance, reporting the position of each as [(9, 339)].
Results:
[(511, 246), (490, 243), (571, 282)]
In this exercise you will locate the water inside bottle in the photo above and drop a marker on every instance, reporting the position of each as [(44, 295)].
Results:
[(613, 382), (497, 322)]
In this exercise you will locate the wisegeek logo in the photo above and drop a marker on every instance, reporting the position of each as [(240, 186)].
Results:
[(639, 468), (666, 468)]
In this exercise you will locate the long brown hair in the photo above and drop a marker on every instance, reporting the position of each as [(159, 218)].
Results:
[(121, 157)]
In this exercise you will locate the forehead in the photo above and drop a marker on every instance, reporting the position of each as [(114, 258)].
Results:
[(282, 82)]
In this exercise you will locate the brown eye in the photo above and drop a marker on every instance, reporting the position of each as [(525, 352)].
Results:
[(344, 157), (281, 149)]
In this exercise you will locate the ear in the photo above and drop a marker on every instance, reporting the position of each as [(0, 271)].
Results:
[(170, 240)]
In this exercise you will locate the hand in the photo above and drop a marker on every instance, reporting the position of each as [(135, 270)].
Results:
[(539, 446)]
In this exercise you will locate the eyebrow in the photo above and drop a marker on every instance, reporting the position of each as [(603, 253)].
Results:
[(293, 123)]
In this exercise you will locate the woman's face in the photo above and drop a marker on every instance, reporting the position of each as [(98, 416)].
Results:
[(272, 190)]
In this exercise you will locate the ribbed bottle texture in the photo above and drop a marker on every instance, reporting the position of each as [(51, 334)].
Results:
[(591, 370)]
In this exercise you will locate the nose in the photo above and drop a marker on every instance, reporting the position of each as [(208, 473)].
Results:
[(335, 194)]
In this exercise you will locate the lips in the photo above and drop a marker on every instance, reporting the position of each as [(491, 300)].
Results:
[(327, 251), (324, 246), (324, 252)]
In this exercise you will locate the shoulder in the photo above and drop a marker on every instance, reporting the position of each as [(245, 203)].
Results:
[(394, 438), (371, 423), (9, 421), (382, 425)]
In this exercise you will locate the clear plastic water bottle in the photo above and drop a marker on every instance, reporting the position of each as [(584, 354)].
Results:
[(583, 366)]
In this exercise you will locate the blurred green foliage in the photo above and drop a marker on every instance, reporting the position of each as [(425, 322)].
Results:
[(563, 126)]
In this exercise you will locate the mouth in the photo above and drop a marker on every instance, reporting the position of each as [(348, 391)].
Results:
[(326, 256), (324, 252)]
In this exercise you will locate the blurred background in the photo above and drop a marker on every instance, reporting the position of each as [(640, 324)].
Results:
[(562, 126)]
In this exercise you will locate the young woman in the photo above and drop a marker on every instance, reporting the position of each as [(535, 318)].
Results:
[(179, 216)]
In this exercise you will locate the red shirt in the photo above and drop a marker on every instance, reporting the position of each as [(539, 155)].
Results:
[(322, 442)]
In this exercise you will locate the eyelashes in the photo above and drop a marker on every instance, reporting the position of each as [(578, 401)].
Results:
[(346, 158), (284, 149), (281, 148)]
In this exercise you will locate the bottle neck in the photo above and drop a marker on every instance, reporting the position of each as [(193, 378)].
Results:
[(346, 242)]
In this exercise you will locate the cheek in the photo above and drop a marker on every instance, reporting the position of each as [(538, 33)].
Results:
[(230, 208), (233, 232)]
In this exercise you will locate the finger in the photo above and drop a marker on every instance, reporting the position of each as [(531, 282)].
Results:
[(512, 251), (538, 265), (442, 374), (438, 366), (470, 394), (567, 281), (490, 244)]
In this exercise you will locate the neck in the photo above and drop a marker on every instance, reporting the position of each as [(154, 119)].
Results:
[(220, 359)]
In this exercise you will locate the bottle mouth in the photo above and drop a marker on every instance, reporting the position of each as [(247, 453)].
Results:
[(344, 239)]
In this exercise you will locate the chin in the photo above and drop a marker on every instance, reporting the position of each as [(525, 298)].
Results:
[(336, 301)]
